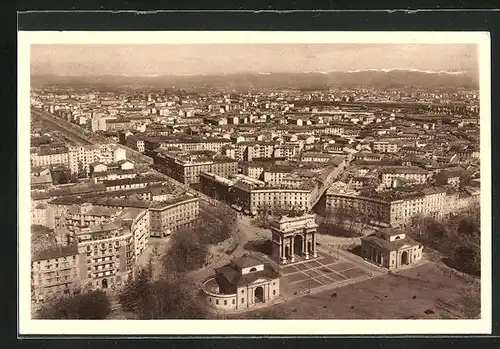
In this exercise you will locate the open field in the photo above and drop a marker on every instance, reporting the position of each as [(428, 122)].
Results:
[(407, 294)]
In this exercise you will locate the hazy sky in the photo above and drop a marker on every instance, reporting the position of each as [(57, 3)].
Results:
[(233, 58)]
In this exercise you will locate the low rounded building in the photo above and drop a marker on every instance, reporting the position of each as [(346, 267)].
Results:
[(243, 283)]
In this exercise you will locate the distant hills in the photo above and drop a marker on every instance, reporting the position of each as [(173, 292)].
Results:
[(387, 78)]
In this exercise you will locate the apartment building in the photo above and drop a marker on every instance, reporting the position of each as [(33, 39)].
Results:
[(253, 150), (382, 146), (316, 157), (252, 169), (170, 216), (187, 143), (109, 241), (122, 170), (136, 143), (390, 207), (55, 272), (82, 216), (186, 167), (260, 199), (81, 157), (413, 174), (108, 254), (118, 124), (46, 156), (287, 151)]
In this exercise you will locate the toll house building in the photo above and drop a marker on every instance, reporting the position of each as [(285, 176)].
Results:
[(390, 248), (243, 283)]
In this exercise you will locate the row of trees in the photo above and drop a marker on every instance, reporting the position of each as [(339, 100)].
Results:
[(346, 222), (457, 237)]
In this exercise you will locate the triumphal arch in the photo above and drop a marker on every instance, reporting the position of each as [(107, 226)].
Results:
[(294, 238)]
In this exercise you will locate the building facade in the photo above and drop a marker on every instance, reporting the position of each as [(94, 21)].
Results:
[(388, 209), (391, 248), (168, 217), (186, 168), (416, 175), (108, 240), (48, 157), (55, 272), (81, 157)]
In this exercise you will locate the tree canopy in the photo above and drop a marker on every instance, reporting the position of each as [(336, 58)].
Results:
[(92, 305), (457, 237)]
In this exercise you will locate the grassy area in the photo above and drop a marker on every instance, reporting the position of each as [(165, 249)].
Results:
[(430, 291)]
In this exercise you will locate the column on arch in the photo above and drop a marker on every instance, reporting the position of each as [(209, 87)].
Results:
[(283, 249), (315, 254), (304, 245)]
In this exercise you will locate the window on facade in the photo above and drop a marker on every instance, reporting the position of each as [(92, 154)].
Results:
[(242, 300), (216, 301)]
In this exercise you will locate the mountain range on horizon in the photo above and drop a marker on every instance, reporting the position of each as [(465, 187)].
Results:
[(377, 78)]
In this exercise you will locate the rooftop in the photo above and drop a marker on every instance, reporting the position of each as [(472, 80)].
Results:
[(56, 252), (234, 277), (387, 245)]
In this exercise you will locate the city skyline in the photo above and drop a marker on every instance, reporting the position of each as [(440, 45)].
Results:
[(212, 59)]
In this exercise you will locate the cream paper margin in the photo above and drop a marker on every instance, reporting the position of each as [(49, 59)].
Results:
[(247, 327)]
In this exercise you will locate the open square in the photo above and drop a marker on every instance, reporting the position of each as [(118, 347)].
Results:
[(326, 270)]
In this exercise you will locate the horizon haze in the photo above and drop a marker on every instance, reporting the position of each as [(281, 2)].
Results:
[(224, 59)]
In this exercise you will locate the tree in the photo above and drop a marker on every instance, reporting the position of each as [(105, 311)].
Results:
[(457, 238), (172, 298), (92, 305), (219, 226), (467, 258), (60, 177), (186, 252), (364, 221), (134, 290)]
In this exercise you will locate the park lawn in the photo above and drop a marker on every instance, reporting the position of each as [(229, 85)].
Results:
[(391, 296)]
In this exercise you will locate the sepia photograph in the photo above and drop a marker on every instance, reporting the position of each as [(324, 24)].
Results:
[(309, 176)]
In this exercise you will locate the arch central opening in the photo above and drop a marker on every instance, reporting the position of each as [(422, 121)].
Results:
[(298, 243)]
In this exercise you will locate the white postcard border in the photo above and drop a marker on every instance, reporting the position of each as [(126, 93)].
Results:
[(250, 327)]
